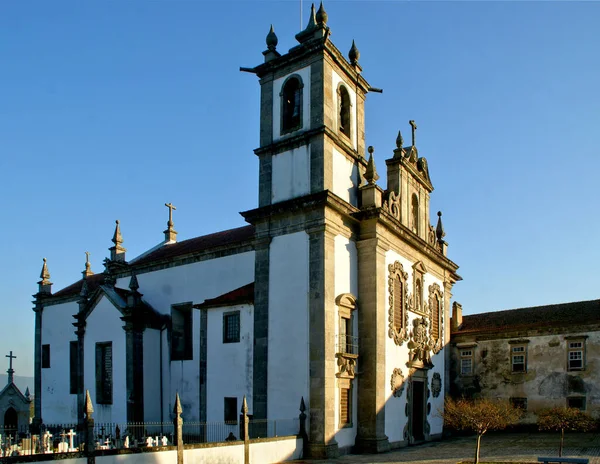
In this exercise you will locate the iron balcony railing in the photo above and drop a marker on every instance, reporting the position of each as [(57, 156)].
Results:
[(347, 344)]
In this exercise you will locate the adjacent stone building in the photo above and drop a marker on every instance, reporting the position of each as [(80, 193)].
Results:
[(338, 291), (536, 357), (15, 407)]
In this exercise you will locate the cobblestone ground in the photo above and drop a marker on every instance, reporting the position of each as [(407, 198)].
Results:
[(494, 447)]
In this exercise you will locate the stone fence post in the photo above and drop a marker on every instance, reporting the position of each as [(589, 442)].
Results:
[(88, 429), (303, 434), (178, 428), (246, 434)]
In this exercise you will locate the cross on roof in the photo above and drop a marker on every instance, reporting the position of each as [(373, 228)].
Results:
[(171, 208), (413, 124), (11, 357)]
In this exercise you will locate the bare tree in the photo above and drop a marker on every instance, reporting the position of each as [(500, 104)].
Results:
[(561, 419), (479, 416)]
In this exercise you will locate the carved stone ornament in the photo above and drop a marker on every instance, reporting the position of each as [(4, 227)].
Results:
[(436, 384), (399, 335), (394, 204), (436, 341), (397, 383), (347, 366), (419, 344), (431, 238)]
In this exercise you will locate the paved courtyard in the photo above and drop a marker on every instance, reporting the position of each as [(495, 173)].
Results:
[(494, 447)]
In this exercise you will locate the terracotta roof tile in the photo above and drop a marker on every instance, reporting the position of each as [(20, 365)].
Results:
[(93, 282), (240, 295), (576, 313)]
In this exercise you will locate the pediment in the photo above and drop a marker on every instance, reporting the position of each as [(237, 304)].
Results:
[(419, 267)]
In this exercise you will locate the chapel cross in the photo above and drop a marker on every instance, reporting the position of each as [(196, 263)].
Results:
[(171, 208), (11, 357), (87, 256), (413, 124)]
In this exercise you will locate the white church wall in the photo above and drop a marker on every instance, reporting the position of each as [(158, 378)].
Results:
[(304, 74), (273, 451), (345, 178), (58, 404), (288, 368), (152, 390), (336, 81), (346, 281), (194, 283), (291, 174), (397, 356), (104, 325), (229, 365)]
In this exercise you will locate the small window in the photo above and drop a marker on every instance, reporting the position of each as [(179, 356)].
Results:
[(104, 373), (576, 355), (398, 303), (231, 327), (345, 407), (577, 402), (519, 358), (45, 356), (291, 105), (466, 362), (181, 332), (230, 414), (519, 403), (73, 362), (436, 311), (344, 114)]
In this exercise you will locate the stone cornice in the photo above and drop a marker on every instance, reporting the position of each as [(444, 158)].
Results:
[(404, 234)]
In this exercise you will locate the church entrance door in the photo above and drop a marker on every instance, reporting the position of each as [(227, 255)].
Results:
[(418, 411), (11, 421)]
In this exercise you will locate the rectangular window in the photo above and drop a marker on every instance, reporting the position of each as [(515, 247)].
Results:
[(231, 327), (181, 332), (577, 402), (345, 407), (45, 356), (73, 362), (518, 358), (575, 355), (520, 403), (230, 410), (104, 373), (466, 362)]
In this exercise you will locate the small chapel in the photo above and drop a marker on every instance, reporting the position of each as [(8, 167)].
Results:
[(15, 407), (335, 294)]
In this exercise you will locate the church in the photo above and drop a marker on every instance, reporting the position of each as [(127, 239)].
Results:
[(337, 291)]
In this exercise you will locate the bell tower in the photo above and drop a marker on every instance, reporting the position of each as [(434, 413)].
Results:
[(311, 166)]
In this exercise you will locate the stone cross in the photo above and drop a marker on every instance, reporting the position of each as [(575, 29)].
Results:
[(71, 434), (46, 442), (87, 256), (413, 124), (10, 368), (171, 208)]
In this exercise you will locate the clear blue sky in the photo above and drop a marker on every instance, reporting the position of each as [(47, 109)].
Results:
[(110, 109)]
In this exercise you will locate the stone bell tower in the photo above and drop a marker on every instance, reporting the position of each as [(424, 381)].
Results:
[(311, 165)]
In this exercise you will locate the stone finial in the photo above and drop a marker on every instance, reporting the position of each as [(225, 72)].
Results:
[(244, 406), (321, 16), (371, 175), (177, 410), (44, 285), (117, 252), (353, 54), (399, 140), (170, 234), (133, 283), (439, 230), (272, 39), (89, 408), (312, 20), (27, 394), (302, 405), (88, 266)]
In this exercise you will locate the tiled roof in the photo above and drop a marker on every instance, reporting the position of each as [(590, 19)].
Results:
[(195, 245), (576, 313), (186, 247), (240, 295)]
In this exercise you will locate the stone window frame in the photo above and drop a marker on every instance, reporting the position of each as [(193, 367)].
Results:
[(346, 303), (347, 133), (230, 410), (283, 130), (518, 348), (518, 402), (345, 385), (398, 330), (186, 353), (436, 291), (572, 348), (227, 336), (572, 400), (104, 373), (466, 351), (46, 356)]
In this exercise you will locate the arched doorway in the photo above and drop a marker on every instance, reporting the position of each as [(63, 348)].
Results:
[(11, 422)]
